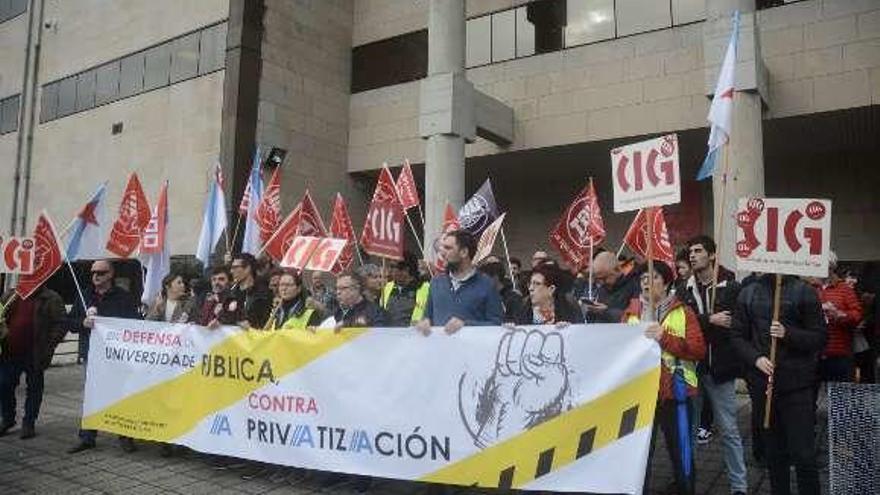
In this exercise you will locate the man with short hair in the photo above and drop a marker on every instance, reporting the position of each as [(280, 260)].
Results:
[(31, 329), (355, 310), (539, 258), (616, 289), (462, 296), (721, 366), (104, 298), (405, 296), (801, 334), (208, 312), (249, 301), (511, 300), (321, 297)]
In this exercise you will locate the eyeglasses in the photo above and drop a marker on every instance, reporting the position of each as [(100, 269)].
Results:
[(99, 273)]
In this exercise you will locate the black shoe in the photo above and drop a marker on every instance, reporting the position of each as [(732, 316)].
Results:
[(81, 446), (127, 445), (5, 427), (166, 451), (27, 432)]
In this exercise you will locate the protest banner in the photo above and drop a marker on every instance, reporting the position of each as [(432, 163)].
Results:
[(578, 402), (17, 255), (313, 253), (646, 174), (579, 229)]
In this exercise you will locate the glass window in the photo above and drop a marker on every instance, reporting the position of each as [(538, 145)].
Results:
[(67, 96), (685, 11), (85, 91), (131, 75), (637, 16), (503, 35), (479, 41), (107, 83), (9, 114), (212, 49), (49, 102), (157, 66), (11, 8), (525, 33), (548, 19), (184, 57), (395, 60), (589, 21)]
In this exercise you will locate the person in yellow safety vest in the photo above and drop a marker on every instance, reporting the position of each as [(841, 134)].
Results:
[(676, 329), (291, 311), (405, 296)]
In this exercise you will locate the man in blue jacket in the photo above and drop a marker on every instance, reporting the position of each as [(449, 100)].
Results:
[(462, 296)]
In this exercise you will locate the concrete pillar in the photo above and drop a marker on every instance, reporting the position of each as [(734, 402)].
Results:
[(444, 153), (745, 152)]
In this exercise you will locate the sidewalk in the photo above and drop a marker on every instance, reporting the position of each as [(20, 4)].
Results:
[(40, 465)]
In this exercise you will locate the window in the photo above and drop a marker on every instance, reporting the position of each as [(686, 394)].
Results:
[(393, 61), (157, 67), (185, 58), (638, 16), (589, 21), (67, 96), (12, 8), (49, 102), (131, 75), (479, 41), (9, 114), (212, 49), (179, 59), (503, 35), (685, 11), (107, 83), (85, 91)]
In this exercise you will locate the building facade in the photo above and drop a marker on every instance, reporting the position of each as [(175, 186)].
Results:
[(93, 90)]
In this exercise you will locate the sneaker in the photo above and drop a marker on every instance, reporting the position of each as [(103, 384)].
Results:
[(127, 444), (704, 436)]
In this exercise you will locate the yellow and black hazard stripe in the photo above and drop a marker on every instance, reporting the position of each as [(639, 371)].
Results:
[(560, 441)]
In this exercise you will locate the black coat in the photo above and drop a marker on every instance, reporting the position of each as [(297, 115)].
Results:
[(562, 309), (364, 314), (801, 314), (721, 361), (115, 303), (252, 304), (618, 297)]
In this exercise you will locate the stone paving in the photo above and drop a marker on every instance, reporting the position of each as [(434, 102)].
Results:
[(41, 466)]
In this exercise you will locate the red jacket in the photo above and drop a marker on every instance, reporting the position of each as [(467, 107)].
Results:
[(691, 348), (840, 328)]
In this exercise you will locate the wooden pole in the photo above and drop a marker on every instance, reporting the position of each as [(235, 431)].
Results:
[(650, 213), (777, 294), (719, 235), (507, 255)]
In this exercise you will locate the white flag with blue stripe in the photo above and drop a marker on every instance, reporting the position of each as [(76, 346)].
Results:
[(251, 243), (721, 111), (87, 236), (214, 220)]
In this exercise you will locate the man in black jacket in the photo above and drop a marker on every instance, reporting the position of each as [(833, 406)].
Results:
[(354, 309), (616, 289), (105, 298), (718, 372), (249, 301), (801, 334)]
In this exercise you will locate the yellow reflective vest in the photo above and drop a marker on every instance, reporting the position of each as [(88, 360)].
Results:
[(421, 299), (675, 323)]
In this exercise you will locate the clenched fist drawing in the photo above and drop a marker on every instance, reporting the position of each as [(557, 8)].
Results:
[(527, 386)]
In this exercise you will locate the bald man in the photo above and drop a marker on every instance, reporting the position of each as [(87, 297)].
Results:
[(616, 289)]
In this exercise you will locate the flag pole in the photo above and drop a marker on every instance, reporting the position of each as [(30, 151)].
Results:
[(414, 233), (650, 242), (507, 256), (79, 291), (769, 399), (719, 236), (623, 244), (590, 261)]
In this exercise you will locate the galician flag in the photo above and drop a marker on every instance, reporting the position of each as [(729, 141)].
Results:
[(214, 219), (252, 243), (721, 111), (87, 236)]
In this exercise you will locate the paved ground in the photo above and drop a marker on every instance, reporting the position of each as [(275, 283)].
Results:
[(40, 465)]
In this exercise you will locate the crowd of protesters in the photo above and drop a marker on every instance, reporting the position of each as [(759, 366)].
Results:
[(710, 334)]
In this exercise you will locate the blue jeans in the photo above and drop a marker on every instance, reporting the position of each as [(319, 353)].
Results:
[(722, 396), (10, 375)]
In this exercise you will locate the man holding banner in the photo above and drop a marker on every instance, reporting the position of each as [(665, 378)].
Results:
[(249, 301)]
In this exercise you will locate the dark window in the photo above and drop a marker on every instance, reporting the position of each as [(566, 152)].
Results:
[(548, 19), (12, 8), (67, 96), (49, 102), (396, 60), (85, 91), (107, 86), (131, 75), (9, 114), (185, 57), (157, 67), (212, 49)]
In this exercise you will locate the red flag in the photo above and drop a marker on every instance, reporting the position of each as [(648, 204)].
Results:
[(383, 228), (47, 257), (134, 215), (304, 220), (406, 188), (269, 209), (579, 224), (153, 240), (341, 228), (637, 236)]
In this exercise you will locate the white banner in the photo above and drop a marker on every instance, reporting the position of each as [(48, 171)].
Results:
[(536, 408), (646, 174), (790, 236)]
